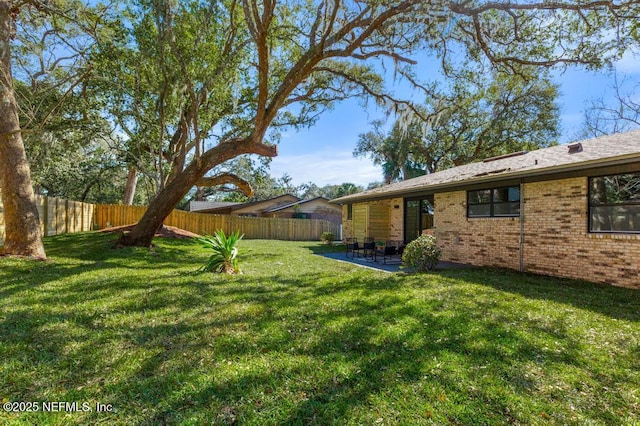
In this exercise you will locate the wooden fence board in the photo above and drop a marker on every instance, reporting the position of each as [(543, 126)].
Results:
[(59, 216), (202, 223)]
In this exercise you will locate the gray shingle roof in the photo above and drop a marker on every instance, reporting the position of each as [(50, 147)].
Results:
[(238, 206), (195, 206), (286, 206), (605, 150)]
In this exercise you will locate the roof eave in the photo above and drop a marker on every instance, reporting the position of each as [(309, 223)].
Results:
[(564, 168)]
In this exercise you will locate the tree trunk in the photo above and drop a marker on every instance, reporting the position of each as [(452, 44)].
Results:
[(159, 209), (166, 200), (22, 224), (130, 189)]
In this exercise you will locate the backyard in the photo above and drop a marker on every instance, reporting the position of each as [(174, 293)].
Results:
[(301, 339)]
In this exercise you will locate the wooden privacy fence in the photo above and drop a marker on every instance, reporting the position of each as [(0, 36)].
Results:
[(202, 223), (58, 216)]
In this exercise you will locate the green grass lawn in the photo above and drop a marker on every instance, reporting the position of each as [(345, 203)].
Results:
[(301, 339)]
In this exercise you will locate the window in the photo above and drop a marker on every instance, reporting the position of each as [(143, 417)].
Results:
[(349, 211), (496, 202), (614, 203)]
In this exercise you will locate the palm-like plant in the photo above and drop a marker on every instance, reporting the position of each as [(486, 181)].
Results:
[(224, 257)]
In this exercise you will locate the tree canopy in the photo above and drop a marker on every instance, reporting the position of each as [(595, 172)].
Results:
[(193, 85), (479, 116)]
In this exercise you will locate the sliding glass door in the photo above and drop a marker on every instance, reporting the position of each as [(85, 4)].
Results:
[(418, 215)]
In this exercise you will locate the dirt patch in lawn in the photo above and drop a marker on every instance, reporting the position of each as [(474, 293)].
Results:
[(164, 232)]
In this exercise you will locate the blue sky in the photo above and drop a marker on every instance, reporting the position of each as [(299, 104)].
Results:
[(323, 153)]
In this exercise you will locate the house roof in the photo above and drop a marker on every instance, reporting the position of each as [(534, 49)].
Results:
[(616, 149), (196, 206), (286, 206), (238, 206), (267, 201)]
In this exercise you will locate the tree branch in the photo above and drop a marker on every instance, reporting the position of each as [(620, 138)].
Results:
[(461, 8), (225, 178), (380, 97), (581, 53)]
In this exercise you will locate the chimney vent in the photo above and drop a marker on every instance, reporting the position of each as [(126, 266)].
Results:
[(575, 147)]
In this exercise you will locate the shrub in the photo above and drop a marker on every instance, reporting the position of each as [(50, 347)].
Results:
[(224, 257), (327, 237), (422, 253)]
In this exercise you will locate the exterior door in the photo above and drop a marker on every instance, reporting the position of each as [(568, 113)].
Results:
[(418, 215), (360, 221)]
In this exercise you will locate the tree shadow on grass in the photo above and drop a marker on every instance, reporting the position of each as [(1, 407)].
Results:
[(295, 348), (614, 302), (434, 358), (320, 347), (90, 253), (325, 248)]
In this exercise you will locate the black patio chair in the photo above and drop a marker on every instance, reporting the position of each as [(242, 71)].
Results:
[(352, 246), (392, 250), (369, 247), (401, 247)]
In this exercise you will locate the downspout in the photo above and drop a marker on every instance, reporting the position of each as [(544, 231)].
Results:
[(521, 241)]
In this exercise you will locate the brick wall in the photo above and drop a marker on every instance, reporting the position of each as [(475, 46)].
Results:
[(557, 241), (396, 219), (556, 237), (482, 241)]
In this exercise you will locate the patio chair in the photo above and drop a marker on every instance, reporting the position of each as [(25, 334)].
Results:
[(401, 247), (369, 247), (352, 246), (392, 250)]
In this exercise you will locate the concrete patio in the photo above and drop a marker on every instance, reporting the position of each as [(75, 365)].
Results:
[(391, 266)]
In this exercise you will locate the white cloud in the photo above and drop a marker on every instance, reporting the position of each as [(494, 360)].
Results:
[(326, 168)]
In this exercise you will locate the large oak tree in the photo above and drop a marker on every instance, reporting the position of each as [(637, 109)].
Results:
[(282, 63), (22, 224), (42, 44)]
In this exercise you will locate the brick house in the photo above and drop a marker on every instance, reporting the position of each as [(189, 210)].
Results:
[(569, 211)]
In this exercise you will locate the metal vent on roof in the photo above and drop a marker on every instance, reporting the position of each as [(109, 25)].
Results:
[(575, 147), (500, 157)]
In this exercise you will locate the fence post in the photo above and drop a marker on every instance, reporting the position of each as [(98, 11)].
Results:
[(45, 214), (66, 216)]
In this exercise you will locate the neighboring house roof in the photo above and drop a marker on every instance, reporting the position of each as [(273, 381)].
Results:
[(299, 203), (616, 149), (195, 206), (278, 201)]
